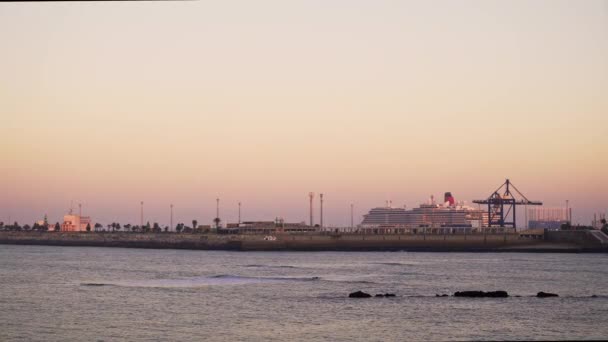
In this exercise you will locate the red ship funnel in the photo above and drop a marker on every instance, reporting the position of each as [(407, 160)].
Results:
[(447, 197)]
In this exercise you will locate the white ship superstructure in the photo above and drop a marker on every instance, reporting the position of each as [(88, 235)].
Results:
[(430, 214)]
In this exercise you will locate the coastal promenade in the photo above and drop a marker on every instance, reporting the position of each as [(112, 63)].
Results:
[(505, 242)]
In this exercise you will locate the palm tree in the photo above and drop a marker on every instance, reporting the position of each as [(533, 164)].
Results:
[(217, 222), (57, 227), (194, 224)]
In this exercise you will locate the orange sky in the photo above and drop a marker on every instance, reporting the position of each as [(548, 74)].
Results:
[(113, 103)]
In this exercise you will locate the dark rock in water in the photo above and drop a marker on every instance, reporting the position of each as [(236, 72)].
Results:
[(359, 294), (441, 295), (542, 294), (482, 294), (386, 295), (593, 296)]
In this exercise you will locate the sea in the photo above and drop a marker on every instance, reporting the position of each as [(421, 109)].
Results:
[(50, 293)]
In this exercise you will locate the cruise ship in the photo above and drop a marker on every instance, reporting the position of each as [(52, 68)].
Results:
[(431, 214)]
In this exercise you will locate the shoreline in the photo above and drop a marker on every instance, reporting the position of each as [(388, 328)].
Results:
[(508, 243)]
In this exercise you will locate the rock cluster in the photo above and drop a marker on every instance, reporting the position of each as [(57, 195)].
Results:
[(467, 294), (359, 294)]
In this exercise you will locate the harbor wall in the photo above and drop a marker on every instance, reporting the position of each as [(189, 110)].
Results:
[(581, 237), (120, 239), (303, 242)]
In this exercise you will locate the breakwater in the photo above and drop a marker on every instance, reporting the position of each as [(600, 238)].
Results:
[(510, 242)]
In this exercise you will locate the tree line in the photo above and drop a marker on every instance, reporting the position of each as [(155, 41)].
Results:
[(35, 227), (111, 227)]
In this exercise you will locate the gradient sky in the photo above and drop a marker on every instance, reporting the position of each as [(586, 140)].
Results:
[(263, 101)]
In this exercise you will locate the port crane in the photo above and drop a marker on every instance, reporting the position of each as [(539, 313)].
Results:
[(502, 203)]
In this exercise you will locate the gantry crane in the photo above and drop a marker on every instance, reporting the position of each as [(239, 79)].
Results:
[(501, 206)]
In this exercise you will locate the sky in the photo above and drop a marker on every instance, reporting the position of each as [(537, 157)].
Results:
[(262, 102)]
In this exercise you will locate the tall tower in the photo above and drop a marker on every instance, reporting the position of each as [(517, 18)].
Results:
[(171, 219), (79, 209), (239, 212), (321, 207), (311, 196), (141, 214)]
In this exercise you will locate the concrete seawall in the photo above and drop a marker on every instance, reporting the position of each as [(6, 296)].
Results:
[(303, 242), (580, 237), (128, 240)]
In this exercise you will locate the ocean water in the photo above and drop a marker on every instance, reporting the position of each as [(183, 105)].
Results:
[(113, 294)]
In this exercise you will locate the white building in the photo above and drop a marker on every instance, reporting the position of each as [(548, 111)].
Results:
[(75, 223)]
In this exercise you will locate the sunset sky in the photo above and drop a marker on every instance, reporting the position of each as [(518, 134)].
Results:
[(110, 104)]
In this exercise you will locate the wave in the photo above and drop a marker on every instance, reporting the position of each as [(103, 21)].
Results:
[(346, 279), (221, 279), (229, 276), (393, 263), (269, 266)]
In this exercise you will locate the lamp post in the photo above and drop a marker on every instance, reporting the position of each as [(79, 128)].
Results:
[(351, 218), (321, 211), (217, 213), (141, 215), (311, 195)]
